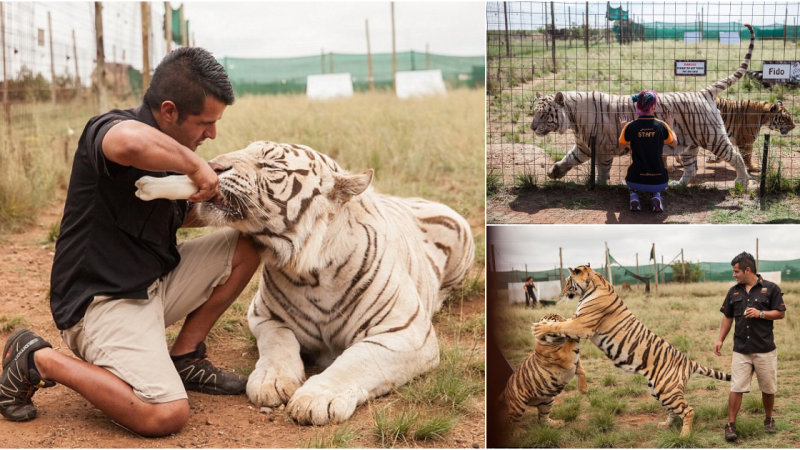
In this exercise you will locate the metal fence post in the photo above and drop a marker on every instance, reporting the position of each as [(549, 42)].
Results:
[(764, 166), (591, 146)]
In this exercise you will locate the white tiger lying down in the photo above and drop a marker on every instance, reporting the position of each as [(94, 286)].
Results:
[(350, 277)]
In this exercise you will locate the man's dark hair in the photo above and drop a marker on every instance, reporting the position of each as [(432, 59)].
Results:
[(186, 76), (745, 260)]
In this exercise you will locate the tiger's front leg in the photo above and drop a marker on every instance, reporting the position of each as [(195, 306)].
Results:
[(389, 356), (572, 329), (577, 155), (688, 157), (279, 371)]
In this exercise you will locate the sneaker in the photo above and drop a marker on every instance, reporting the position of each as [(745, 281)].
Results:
[(200, 375), (635, 205), (769, 425), (20, 379), (657, 205), (730, 432)]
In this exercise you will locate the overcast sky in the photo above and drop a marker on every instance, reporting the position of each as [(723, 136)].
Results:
[(530, 15), (289, 29), (537, 245)]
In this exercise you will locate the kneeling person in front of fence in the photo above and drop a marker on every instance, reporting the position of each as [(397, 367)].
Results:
[(646, 136)]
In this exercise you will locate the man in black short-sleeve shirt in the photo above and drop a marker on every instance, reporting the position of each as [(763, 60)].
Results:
[(754, 303), (119, 276)]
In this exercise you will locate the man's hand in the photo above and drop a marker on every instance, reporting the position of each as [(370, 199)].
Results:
[(623, 120), (717, 348), (207, 181)]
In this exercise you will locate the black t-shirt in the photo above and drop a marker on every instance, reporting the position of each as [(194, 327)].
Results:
[(111, 242), (753, 335), (647, 136)]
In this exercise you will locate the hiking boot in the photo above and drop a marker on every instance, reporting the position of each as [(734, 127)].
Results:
[(730, 432), (200, 375), (769, 425), (20, 379)]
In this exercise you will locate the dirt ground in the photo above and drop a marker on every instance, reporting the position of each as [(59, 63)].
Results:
[(66, 420), (708, 200)]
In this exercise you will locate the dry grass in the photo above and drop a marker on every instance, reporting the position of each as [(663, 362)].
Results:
[(688, 317)]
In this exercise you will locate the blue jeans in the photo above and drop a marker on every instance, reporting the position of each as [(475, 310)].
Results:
[(637, 187)]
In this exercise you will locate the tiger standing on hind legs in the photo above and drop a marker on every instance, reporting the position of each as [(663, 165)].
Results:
[(604, 319), (755, 303), (596, 114)]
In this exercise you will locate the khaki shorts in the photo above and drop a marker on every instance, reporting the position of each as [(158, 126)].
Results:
[(765, 365), (127, 336)]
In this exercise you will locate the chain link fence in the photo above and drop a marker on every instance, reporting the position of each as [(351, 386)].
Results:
[(594, 51)]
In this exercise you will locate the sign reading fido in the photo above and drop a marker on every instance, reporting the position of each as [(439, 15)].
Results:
[(781, 71), (690, 67)]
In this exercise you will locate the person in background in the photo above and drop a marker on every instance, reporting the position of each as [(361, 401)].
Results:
[(530, 295)]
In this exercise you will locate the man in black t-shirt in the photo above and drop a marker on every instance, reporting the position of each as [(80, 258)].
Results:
[(755, 303), (120, 277)]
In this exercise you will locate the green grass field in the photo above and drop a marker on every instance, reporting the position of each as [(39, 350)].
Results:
[(619, 411)]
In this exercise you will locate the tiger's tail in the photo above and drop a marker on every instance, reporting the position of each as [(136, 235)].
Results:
[(725, 83), (712, 373)]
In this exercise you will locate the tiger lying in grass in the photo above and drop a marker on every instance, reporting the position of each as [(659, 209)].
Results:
[(543, 375), (602, 318)]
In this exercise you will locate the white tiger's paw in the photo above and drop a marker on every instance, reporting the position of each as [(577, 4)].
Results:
[(321, 405), (712, 159), (555, 172), (266, 387), (674, 183), (742, 182)]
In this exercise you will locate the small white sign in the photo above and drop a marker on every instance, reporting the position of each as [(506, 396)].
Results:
[(327, 86), (690, 67), (781, 71), (420, 83), (729, 38), (692, 36)]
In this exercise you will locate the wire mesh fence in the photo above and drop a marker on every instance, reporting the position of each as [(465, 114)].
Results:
[(570, 69)]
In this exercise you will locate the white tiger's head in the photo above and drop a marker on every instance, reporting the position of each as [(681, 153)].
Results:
[(781, 119), (549, 114), (280, 194)]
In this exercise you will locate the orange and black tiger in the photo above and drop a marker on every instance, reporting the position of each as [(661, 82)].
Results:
[(544, 374), (743, 121), (604, 319)]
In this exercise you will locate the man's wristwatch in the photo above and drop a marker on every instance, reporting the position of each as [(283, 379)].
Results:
[(761, 315)]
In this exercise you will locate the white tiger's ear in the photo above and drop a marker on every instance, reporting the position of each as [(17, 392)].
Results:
[(346, 187), (559, 98)]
